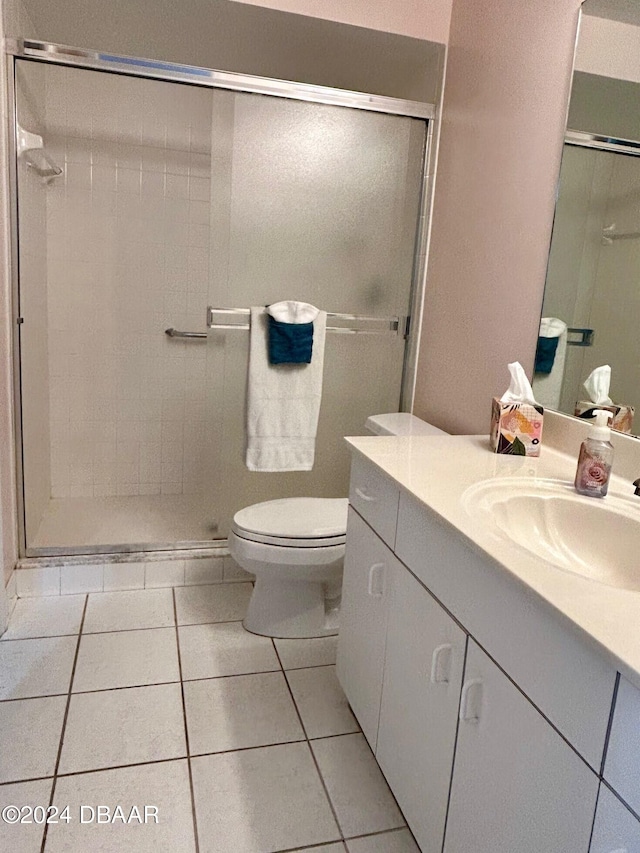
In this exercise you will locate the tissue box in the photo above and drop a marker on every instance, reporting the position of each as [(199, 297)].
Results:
[(622, 415), (516, 428)]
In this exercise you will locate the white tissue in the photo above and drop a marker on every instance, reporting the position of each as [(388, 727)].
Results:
[(597, 385), (290, 311), (520, 390)]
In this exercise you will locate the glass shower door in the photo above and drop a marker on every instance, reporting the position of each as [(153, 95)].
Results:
[(173, 198), (318, 204)]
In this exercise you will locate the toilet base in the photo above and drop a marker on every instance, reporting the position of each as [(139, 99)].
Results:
[(297, 610)]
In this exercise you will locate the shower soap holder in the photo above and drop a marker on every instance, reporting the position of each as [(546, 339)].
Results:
[(30, 147)]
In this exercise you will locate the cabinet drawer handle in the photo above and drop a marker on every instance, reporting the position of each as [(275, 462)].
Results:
[(470, 710), (441, 664), (364, 496), (376, 580)]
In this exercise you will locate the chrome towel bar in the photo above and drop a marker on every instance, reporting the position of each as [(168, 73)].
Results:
[(350, 324), (580, 337), (238, 318), (174, 333)]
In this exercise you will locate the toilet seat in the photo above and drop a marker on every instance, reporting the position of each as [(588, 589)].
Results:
[(294, 522)]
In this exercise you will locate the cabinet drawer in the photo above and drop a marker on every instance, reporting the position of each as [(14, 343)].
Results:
[(616, 830), (572, 685), (375, 497), (622, 765)]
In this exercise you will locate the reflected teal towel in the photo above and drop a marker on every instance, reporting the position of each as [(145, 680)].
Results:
[(290, 343), (545, 354)]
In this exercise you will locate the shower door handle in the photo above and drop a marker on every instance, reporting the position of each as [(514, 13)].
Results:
[(584, 337), (174, 333)]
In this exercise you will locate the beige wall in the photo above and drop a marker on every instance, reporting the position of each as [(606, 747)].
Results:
[(253, 39), (422, 19), (506, 94)]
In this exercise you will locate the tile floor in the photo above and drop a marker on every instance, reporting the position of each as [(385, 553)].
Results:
[(160, 698)]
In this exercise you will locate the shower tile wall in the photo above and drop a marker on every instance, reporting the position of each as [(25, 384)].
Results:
[(128, 256)]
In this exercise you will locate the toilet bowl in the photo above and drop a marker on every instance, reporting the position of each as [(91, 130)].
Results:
[(295, 548)]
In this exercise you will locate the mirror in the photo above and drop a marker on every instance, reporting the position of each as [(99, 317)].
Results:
[(593, 277)]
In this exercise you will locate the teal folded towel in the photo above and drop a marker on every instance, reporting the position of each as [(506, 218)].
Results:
[(290, 343), (545, 354)]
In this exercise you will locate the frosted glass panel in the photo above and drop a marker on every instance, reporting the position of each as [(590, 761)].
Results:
[(323, 205), (173, 198), (318, 204)]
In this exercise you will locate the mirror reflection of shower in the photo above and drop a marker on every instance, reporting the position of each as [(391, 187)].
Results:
[(594, 260), (592, 277)]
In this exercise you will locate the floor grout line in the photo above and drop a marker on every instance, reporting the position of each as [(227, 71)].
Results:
[(64, 719), (6, 639), (125, 687), (38, 696), (64, 775), (308, 742), (186, 729), (173, 681), (21, 781)]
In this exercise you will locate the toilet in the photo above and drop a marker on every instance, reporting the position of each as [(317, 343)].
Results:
[(295, 548)]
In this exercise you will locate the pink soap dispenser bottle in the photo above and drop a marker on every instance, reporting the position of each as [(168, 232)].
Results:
[(596, 457)]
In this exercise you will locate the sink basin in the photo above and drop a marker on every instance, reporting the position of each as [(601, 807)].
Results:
[(598, 538)]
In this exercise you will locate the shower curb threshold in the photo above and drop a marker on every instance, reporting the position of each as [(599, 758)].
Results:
[(94, 559)]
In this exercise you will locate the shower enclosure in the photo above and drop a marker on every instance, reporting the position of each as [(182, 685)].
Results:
[(174, 196)]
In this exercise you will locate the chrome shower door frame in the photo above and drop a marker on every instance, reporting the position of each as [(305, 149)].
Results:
[(55, 54)]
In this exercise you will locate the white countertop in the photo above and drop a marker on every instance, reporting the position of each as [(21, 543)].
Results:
[(437, 470)]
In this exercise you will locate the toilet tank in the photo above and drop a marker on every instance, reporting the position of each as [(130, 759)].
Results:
[(400, 423)]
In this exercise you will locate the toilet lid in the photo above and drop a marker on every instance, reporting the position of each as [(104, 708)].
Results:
[(298, 522)]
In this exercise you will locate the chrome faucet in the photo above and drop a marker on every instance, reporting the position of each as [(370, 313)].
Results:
[(636, 483)]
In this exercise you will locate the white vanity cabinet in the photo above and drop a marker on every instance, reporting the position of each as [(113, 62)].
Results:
[(517, 785), (487, 713), (363, 632), (418, 716)]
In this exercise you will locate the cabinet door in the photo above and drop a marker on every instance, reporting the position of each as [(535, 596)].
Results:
[(563, 675), (517, 785), (616, 829), (419, 711), (363, 622)]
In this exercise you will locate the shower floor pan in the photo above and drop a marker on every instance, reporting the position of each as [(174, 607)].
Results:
[(147, 522)]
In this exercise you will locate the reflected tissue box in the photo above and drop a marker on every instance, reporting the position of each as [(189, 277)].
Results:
[(622, 415), (516, 428)]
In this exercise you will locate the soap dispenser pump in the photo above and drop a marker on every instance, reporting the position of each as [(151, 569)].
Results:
[(596, 457)]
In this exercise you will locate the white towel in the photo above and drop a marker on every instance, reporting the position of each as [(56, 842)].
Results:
[(293, 312), (283, 402), (552, 327), (548, 386)]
